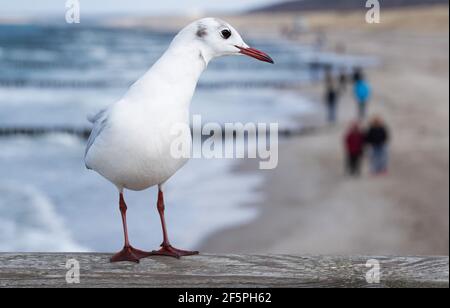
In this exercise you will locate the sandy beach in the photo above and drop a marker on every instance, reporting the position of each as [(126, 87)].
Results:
[(311, 207)]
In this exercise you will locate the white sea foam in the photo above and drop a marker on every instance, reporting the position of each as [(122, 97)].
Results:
[(28, 222)]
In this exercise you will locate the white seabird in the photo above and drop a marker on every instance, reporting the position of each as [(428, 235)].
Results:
[(131, 139)]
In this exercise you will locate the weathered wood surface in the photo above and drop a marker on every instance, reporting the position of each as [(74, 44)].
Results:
[(49, 270)]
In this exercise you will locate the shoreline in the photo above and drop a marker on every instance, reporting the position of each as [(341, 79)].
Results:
[(310, 207)]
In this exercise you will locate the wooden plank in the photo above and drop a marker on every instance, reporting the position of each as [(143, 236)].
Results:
[(49, 270)]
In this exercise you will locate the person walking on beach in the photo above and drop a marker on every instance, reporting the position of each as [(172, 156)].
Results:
[(362, 92), (354, 147), (343, 78), (331, 97), (377, 137)]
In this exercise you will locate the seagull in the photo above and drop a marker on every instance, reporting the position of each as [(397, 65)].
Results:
[(130, 142)]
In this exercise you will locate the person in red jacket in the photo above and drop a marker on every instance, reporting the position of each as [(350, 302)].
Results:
[(354, 147)]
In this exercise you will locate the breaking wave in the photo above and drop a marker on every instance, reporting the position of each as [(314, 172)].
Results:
[(29, 223)]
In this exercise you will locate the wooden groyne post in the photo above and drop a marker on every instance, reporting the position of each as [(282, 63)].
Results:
[(230, 271)]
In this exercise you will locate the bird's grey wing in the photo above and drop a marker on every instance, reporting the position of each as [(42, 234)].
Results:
[(95, 117), (100, 121)]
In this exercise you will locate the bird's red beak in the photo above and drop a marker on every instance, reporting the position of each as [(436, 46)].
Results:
[(255, 53)]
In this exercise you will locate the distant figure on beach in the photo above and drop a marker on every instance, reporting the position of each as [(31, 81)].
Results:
[(331, 97), (354, 147), (362, 92), (343, 79), (321, 41), (377, 137)]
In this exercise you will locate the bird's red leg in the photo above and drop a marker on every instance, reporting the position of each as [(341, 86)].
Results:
[(166, 248), (128, 253)]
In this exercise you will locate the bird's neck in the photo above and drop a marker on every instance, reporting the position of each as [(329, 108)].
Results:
[(181, 65), (175, 73)]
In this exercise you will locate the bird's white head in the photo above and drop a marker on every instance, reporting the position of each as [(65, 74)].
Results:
[(215, 38)]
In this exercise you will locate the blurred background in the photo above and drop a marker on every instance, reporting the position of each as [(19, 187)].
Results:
[(362, 108)]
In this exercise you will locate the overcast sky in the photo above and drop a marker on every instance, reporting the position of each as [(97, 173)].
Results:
[(145, 7)]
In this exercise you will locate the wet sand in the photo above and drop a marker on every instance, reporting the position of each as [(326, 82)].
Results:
[(311, 207)]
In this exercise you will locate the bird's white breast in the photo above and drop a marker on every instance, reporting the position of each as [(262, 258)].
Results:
[(134, 150)]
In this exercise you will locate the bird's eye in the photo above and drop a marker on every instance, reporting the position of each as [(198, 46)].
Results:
[(225, 33)]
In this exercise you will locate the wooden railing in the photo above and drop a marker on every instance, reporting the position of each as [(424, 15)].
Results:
[(232, 271)]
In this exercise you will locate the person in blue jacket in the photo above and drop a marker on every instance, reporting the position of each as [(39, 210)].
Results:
[(362, 92)]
